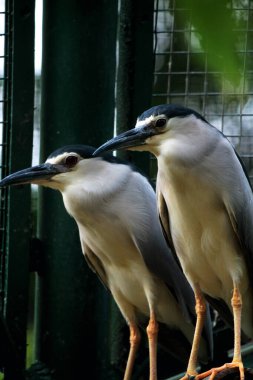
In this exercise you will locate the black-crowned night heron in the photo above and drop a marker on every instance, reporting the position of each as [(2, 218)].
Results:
[(115, 209), (206, 208)]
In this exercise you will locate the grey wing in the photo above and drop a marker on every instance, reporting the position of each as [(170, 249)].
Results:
[(160, 262), (157, 255), (95, 264), (165, 222), (238, 203), (240, 211), (164, 216), (217, 304), (174, 266)]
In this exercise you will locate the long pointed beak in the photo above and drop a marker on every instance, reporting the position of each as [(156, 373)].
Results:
[(32, 175), (132, 138)]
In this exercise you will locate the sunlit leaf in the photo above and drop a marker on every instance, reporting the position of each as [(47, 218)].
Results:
[(215, 30)]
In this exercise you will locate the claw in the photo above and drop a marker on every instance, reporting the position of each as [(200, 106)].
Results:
[(214, 371), (191, 377)]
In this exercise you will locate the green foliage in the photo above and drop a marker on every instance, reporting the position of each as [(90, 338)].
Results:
[(217, 31)]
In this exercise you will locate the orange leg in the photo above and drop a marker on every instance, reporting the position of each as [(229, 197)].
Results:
[(152, 332), (236, 303), (135, 338), (200, 312)]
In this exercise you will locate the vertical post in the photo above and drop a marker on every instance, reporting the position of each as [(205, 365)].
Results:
[(78, 76), (135, 68), (19, 118)]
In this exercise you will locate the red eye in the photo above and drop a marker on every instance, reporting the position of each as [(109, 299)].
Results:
[(71, 161), (160, 123)]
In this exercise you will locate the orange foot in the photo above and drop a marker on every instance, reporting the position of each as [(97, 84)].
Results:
[(213, 372)]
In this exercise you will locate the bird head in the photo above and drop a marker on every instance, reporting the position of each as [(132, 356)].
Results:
[(60, 167), (153, 126)]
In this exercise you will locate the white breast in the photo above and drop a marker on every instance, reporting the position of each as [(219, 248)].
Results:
[(131, 283), (194, 187)]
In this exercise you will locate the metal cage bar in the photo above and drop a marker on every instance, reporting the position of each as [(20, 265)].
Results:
[(15, 152), (5, 80)]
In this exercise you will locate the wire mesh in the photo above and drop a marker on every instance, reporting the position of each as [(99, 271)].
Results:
[(184, 75), (5, 81)]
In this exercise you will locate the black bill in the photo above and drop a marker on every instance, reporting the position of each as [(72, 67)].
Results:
[(32, 175), (128, 139)]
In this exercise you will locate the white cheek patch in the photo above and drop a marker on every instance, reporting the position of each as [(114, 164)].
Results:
[(146, 121), (59, 159)]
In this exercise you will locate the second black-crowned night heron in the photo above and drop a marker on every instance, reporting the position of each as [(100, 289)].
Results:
[(115, 209), (206, 208)]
